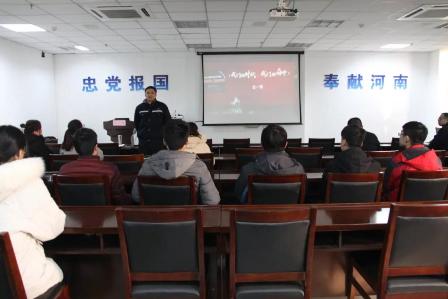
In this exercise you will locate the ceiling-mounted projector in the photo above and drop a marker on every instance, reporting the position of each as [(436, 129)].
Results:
[(283, 11)]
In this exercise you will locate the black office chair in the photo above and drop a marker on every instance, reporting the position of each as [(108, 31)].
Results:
[(158, 191), (162, 253), (327, 144), (423, 186), (284, 189), (82, 190), (414, 259), (55, 162), (383, 157), (395, 143), (246, 155), (294, 142), (128, 165), (309, 157), (353, 187), (231, 144), (271, 253), (109, 148)]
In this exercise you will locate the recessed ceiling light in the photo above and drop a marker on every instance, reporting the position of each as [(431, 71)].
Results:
[(395, 46), (23, 27), (82, 48)]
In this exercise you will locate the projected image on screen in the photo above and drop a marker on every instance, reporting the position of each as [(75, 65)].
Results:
[(251, 88)]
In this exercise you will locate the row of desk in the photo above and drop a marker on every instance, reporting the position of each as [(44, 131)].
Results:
[(90, 244)]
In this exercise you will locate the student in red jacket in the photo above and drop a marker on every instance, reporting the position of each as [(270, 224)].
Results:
[(415, 156)]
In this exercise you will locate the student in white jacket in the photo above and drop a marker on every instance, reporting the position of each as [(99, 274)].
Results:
[(196, 143), (28, 213)]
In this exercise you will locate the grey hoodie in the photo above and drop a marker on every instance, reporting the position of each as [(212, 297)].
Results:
[(173, 164), (266, 163)]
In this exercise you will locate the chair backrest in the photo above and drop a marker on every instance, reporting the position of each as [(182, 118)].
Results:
[(11, 285), (294, 142), (327, 144), (209, 160), (54, 147), (161, 246), (383, 157), (285, 189), (82, 190), (309, 157), (416, 242), (56, 161), (395, 143), (423, 185), (158, 191), (353, 187), (246, 155), (229, 145), (271, 246), (127, 164), (210, 143), (110, 148)]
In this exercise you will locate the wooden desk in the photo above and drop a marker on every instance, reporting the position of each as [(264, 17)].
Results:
[(232, 177), (340, 229), (100, 221)]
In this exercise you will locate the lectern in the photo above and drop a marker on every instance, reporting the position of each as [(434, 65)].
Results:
[(120, 126)]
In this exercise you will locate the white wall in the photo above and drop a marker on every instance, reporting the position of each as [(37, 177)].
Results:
[(382, 111), (324, 111), (184, 95), (26, 86)]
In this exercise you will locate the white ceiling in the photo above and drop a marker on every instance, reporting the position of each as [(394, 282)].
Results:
[(368, 24)]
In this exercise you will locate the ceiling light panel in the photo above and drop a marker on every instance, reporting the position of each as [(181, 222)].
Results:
[(23, 27)]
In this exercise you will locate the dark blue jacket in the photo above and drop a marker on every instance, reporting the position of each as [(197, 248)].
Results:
[(149, 120)]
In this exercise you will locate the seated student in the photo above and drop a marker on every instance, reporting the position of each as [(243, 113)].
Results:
[(175, 162), (196, 143), (67, 146), (85, 142), (28, 213), (35, 142), (352, 159), (272, 161), (415, 156), (440, 141), (370, 142)]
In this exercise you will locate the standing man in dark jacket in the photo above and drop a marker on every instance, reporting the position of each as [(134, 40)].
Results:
[(149, 119), (370, 142), (352, 158), (440, 141), (272, 161)]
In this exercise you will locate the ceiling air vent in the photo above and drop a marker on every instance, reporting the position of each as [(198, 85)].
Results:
[(118, 12), (199, 46), (299, 45), (191, 24), (435, 12), (325, 24)]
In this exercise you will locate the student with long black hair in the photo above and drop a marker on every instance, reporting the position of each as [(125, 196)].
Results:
[(35, 142), (68, 144), (28, 213)]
